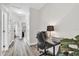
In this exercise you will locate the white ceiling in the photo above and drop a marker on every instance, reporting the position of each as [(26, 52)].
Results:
[(25, 5)]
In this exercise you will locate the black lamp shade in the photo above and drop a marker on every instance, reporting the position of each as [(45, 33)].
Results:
[(50, 28)]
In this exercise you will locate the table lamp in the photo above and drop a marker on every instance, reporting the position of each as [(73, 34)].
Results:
[(50, 28)]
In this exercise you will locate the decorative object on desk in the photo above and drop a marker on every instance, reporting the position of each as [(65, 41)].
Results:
[(50, 28)]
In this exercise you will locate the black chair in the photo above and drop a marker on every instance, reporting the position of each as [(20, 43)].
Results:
[(42, 44)]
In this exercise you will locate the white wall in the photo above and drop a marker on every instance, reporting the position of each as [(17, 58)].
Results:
[(34, 25), (65, 18), (0, 30)]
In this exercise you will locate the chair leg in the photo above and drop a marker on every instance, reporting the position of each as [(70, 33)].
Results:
[(53, 50), (44, 53)]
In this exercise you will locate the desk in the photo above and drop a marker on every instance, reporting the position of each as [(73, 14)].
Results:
[(54, 47), (54, 43)]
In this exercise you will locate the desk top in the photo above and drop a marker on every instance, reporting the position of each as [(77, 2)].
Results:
[(54, 40)]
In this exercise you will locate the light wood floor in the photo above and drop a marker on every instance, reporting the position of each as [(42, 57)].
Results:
[(34, 50)]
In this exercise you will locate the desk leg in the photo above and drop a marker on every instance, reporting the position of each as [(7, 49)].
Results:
[(53, 50)]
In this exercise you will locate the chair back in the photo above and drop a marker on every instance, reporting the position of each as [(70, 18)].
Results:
[(41, 36)]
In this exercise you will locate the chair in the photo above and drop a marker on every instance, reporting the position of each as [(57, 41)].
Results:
[(42, 44)]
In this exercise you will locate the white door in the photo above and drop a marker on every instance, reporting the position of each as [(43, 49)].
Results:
[(4, 31), (7, 30)]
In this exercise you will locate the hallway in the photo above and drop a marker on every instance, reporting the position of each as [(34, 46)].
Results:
[(14, 31), (19, 48)]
